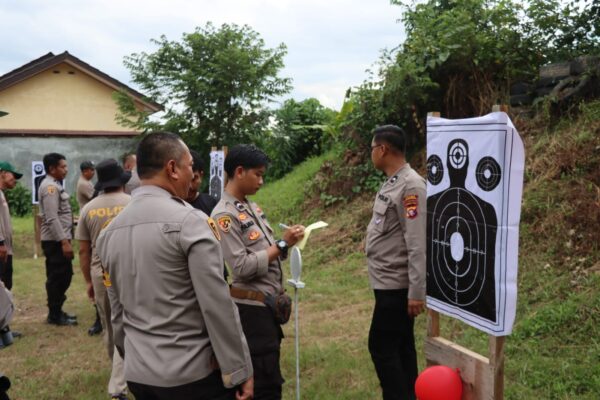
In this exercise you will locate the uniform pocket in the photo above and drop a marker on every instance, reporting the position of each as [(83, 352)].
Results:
[(379, 220)]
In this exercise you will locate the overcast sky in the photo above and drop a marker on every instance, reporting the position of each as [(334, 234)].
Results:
[(330, 42)]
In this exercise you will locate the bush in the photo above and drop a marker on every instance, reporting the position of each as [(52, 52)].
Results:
[(19, 200)]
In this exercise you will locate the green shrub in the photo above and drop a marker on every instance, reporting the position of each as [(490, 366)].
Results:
[(19, 200)]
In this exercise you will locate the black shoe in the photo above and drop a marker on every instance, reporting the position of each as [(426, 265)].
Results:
[(61, 320), (16, 334), (96, 328), (68, 316)]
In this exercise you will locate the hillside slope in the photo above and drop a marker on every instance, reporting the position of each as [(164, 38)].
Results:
[(553, 353)]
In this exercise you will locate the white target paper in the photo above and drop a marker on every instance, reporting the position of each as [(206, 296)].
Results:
[(217, 177), (474, 187)]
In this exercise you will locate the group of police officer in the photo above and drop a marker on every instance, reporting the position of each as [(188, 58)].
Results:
[(154, 266)]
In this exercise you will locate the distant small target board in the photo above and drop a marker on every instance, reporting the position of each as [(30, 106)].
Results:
[(474, 187)]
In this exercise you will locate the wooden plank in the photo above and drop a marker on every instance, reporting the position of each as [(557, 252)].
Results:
[(433, 323), (475, 370), (500, 107)]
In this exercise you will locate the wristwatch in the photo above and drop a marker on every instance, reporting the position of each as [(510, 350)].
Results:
[(283, 247)]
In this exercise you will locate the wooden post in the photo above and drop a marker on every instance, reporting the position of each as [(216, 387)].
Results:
[(37, 224)]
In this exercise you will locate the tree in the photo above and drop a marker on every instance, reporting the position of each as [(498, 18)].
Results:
[(214, 84), (298, 134)]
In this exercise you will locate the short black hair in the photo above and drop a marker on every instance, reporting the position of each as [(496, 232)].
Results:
[(198, 165), (246, 156), (155, 150), (392, 135), (52, 160)]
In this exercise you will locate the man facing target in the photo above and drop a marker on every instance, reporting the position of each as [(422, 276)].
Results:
[(395, 248)]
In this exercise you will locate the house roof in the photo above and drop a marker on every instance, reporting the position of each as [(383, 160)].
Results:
[(50, 60)]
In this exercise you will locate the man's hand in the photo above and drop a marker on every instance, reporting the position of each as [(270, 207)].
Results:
[(415, 307), (3, 253), (293, 234), (90, 291), (246, 390), (67, 249)]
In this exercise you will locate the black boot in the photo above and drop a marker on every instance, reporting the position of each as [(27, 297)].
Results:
[(60, 319), (97, 327)]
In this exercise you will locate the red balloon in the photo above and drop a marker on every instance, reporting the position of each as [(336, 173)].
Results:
[(439, 383)]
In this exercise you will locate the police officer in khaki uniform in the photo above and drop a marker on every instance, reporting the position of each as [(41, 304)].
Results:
[(173, 320), (85, 187), (254, 257), (8, 181), (56, 235), (396, 248), (95, 216)]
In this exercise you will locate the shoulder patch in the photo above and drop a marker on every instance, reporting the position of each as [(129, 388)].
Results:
[(242, 217), (411, 204), (213, 227), (51, 189), (254, 235), (224, 223)]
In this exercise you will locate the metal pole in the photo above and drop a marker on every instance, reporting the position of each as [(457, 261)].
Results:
[(297, 345)]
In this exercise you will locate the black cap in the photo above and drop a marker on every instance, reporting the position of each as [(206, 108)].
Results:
[(86, 165), (111, 175)]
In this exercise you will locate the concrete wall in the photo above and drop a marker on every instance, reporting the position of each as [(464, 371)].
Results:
[(21, 151), (61, 98)]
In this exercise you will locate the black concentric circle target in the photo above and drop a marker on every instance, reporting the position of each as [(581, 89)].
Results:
[(435, 169), (458, 155), (488, 174), (459, 279)]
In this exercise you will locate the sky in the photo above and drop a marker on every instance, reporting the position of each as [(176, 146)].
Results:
[(330, 43)]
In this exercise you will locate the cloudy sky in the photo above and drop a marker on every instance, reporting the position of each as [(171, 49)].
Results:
[(330, 42)]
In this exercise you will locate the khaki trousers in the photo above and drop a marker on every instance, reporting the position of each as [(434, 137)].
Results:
[(116, 384)]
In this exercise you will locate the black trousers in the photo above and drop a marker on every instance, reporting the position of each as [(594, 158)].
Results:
[(6, 272), (209, 388), (263, 335), (392, 345), (59, 271)]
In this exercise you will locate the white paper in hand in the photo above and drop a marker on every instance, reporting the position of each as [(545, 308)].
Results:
[(308, 230)]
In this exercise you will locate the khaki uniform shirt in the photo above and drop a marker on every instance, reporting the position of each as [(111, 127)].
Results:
[(95, 216), (396, 236), (55, 209), (85, 191), (246, 235), (133, 182), (171, 309), (5, 224)]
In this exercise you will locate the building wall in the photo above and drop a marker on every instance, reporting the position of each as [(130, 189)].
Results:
[(67, 100), (21, 151)]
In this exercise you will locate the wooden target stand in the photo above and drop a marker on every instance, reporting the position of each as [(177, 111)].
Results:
[(482, 377)]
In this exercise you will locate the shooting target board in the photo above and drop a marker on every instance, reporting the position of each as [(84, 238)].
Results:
[(217, 180), (474, 186)]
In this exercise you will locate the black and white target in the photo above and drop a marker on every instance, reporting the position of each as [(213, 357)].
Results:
[(435, 170), (488, 173), (475, 177)]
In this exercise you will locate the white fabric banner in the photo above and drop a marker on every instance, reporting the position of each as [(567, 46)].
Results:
[(474, 186)]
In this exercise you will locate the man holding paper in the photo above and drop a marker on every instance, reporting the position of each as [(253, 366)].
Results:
[(254, 257)]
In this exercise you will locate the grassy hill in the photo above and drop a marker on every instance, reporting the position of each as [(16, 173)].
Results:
[(553, 353)]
